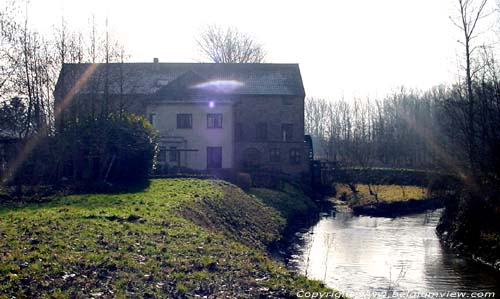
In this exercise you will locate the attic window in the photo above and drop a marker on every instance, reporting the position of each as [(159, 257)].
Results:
[(287, 100), (161, 82)]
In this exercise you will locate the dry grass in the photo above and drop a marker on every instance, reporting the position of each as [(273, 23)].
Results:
[(387, 193)]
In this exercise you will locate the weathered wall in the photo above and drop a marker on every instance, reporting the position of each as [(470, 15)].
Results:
[(273, 111), (246, 112)]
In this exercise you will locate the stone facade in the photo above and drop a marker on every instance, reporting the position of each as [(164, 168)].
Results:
[(262, 107), (270, 150)]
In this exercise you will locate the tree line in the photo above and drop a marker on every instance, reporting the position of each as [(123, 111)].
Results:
[(452, 127), (412, 129), (30, 62), (88, 148), (390, 132)]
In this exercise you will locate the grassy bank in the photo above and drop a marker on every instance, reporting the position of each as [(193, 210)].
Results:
[(179, 238), (390, 200), (289, 203), (385, 193)]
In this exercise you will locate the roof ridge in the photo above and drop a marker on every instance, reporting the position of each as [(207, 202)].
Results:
[(143, 77), (184, 63)]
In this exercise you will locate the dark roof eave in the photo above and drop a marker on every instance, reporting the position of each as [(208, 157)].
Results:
[(208, 95)]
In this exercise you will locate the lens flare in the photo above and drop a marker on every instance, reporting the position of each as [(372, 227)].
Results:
[(222, 86)]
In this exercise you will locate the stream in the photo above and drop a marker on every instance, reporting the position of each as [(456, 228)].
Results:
[(367, 257)]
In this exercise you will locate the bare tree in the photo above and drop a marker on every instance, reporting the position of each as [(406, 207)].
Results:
[(470, 12), (228, 45), (9, 61)]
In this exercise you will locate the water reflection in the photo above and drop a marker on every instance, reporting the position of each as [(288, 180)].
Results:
[(361, 254)]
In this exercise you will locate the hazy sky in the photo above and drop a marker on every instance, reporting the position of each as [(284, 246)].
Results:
[(344, 47)]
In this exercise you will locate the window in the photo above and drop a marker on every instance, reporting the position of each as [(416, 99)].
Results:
[(251, 158), (162, 154), (286, 132), (287, 100), (238, 132), (274, 155), (214, 157), (172, 154), (152, 119), (214, 120), (294, 156), (261, 131), (184, 121)]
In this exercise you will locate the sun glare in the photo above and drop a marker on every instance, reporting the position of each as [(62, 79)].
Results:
[(219, 85)]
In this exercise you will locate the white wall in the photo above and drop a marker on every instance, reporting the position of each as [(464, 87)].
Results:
[(199, 137)]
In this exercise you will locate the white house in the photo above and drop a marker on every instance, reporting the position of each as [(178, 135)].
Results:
[(194, 134)]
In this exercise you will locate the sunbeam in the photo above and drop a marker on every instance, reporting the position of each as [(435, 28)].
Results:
[(34, 141)]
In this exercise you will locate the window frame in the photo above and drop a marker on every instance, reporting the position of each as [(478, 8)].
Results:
[(215, 124), (294, 156), (275, 154), (152, 119), (173, 155), (189, 117), (211, 150), (261, 135), (287, 101), (286, 128)]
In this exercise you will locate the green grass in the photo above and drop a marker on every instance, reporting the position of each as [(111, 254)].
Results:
[(178, 238), (386, 193), (290, 202)]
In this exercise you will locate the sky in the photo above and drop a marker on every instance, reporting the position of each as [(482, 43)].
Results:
[(345, 48)]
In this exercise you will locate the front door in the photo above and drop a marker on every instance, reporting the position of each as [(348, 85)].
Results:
[(214, 157)]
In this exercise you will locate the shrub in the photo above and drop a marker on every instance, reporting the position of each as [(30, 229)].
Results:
[(92, 152), (114, 149), (243, 180)]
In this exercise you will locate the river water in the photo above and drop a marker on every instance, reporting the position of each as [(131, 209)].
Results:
[(374, 257)]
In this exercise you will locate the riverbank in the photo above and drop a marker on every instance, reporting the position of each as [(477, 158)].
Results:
[(398, 208), (470, 226), (362, 255), (390, 200), (178, 238)]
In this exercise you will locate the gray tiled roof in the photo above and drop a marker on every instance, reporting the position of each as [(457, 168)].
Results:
[(169, 78)]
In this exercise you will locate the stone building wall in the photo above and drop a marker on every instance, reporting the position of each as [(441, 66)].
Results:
[(249, 113), (272, 112)]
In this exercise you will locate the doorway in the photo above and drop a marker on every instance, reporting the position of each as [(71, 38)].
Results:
[(214, 157)]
